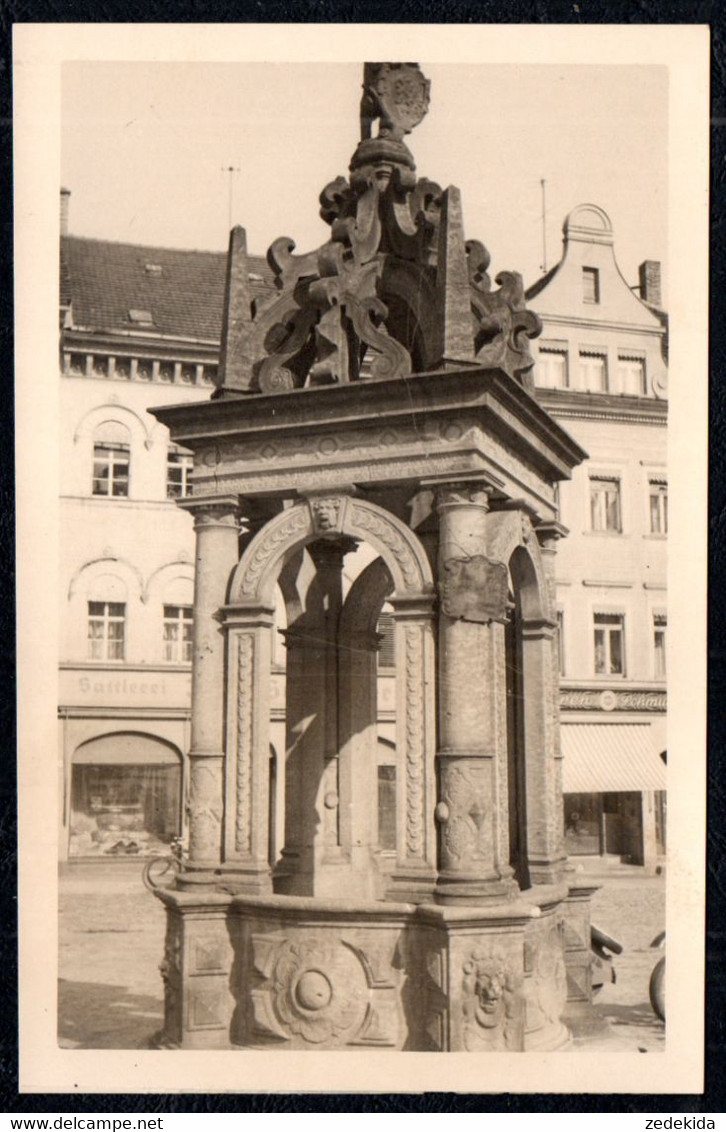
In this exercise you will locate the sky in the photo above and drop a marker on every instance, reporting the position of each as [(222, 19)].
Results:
[(145, 147)]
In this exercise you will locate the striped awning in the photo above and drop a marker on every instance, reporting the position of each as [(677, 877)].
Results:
[(609, 757)]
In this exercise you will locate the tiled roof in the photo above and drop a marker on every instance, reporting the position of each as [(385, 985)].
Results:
[(183, 290)]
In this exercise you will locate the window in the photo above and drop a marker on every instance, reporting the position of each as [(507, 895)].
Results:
[(551, 369), (604, 504), (590, 285), (178, 469), (631, 376), (561, 640), (387, 648), (658, 495), (178, 623), (660, 626), (593, 372), (609, 644), (106, 630), (111, 469)]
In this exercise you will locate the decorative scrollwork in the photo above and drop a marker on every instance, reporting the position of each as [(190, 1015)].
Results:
[(243, 824), (415, 815)]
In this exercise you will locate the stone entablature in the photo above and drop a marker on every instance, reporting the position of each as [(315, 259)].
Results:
[(139, 367), (470, 424)]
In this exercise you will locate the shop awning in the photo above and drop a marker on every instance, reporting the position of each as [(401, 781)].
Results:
[(603, 757)]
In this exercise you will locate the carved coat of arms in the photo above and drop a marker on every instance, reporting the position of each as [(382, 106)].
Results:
[(475, 589)]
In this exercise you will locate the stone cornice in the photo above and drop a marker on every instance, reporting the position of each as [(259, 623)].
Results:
[(485, 397), (596, 324), (603, 406)]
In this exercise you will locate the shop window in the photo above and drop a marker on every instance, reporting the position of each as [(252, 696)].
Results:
[(386, 628), (120, 811), (178, 625), (609, 644), (111, 469), (179, 467), (660, 626), (631, 376), (106, 630), (590, 285), (658, 498), (387, 808), (551, 369), (605, 504), (583, 824)]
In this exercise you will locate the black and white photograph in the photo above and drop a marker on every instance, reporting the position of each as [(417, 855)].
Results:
[(375, 652)]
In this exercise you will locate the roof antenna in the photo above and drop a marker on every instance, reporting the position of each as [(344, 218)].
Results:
[(231, 169), (544, 230)]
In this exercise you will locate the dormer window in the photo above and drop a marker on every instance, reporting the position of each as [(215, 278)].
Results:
[(590, 285), (140, 318)]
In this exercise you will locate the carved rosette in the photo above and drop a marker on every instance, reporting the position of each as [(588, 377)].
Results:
[(314, 991), (243, 824), (490, 1006)]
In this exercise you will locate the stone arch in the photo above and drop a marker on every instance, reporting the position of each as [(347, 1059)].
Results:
[(163, 576), (120, 567), (322, 515), (110, 411), (512, 531), (98, 747)]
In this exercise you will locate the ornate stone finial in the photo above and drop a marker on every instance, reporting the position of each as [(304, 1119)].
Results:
[(395, 93), (396, 289)]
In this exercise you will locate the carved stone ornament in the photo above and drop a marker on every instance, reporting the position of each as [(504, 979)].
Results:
[(475, 589), (327, 512), (395, 93), (395, 289), (490, 1005), (464, 814), (315, 990)]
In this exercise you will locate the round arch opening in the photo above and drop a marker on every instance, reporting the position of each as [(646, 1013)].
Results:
[(126, 790)]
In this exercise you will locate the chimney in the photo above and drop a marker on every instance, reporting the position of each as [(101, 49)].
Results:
[(65, 196), (649, 278)]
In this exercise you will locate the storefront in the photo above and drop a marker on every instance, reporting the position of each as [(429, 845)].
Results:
[(125, 796), (614, 792)]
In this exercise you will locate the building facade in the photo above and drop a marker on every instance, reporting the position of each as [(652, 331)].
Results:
[(140, 327), (601, 371)]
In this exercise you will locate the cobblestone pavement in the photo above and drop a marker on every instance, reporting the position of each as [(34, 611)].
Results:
[(112, 938)]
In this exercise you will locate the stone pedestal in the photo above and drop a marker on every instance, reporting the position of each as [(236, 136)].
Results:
[(304, 973)]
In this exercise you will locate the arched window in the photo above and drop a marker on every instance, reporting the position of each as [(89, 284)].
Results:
[(111, 460)]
